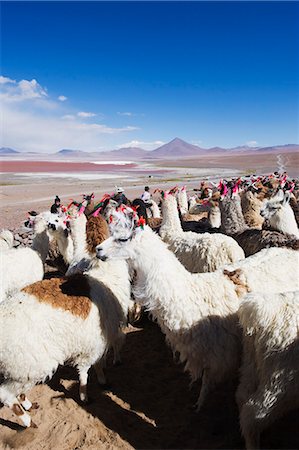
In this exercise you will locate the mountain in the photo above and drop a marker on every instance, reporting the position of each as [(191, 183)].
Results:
[(8, 151), (176, 147), (125, 152), (286, 148), (72, 153)]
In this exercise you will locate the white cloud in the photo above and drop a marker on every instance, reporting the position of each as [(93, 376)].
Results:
[(85, 114), (196, 142), (62, 98), (29, 131), (129, 114), (4, 80), (145, 145), (252, 143), (32, 121), (21, 91)]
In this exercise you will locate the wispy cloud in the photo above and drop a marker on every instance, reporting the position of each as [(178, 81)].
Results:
[(128, 114), (85, 114), (197, 142), (145, 145), (23, 90), (62, 98), (252, 143), (4, 80), (32, 121)]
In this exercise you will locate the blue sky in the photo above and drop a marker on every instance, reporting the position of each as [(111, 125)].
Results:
[(100, 75)]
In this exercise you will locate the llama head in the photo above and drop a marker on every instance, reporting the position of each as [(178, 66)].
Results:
[(124, 225), (275, 205), (57, 223)]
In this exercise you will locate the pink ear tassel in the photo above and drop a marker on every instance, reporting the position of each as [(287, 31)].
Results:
[(97, 212), (225, 190), (235, 188), (81, 210)]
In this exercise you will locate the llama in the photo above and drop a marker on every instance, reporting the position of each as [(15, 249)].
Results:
[(250, 239), (193, 204), (72, 320), (269, 383), (197, 252), (23, 266), (184, 208), (196, 312), (251, 207), (84, 262), (182, 200), (232, 219), (253, 240), (280, 215), (86, 235), (6, 240)]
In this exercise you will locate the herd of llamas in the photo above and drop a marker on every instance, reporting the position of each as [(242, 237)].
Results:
[(216, 268)]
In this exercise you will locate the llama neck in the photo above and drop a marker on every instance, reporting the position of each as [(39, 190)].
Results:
[(40, 243), (156, 211), (66, 247), (183, 201), (115, 275), (285, 221), (162, 283), (232, 219), (215, 217), (78, 228), (171, 222)]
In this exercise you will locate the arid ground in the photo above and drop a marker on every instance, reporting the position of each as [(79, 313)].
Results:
[(147, 405), (26, 186)]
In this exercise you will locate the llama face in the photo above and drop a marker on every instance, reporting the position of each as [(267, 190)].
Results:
[(123, 229), (115, 248), (56, 223), (274, 205)]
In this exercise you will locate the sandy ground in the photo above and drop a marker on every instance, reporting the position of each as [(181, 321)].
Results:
[(146, 406), (248, 164), (20, 194)]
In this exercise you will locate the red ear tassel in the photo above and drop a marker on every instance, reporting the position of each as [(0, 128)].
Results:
[(141, 222)]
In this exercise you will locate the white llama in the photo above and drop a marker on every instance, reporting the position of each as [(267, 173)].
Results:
[(182, 200), (197, 252), (83, 262), (280, 214), (59, 232), (154, 210), (6, 240), (53, 321), (269, 382), (197, 312), (23, 266)]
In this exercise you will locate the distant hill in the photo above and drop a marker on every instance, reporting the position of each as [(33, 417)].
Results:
[(65, 152), (177, 147), (279, 148), (125, 152), (8, 151)]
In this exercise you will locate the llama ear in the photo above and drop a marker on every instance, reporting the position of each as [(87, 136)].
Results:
[(280, 195), (286, 198)]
